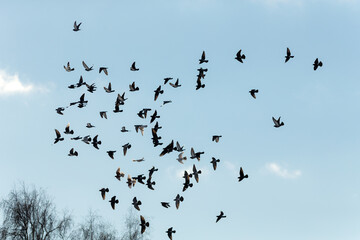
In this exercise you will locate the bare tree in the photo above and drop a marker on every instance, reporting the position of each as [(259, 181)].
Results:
[(30, 214)]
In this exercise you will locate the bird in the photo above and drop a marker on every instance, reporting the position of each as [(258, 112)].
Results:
[(167, 79), (140, 178), (91, 88), (111, 154), (138, 160), (157, 127), (202, 59), (155, 138), (277, 122), (169, 148), (103, 192), (195, 173), (73, 153), (220, 216), (133, 68), (72, 86), (103, 69), (150, 184), (67, 129), (141, 128), (136, 203), (176, 85), (89, 125), (119, 174), (121, 99), (214, 162), (103, 114), (68, 68), (166, 102), (117, 108), (152, 170), (165, 204), (169, 232), (216, 138), (86, 139), (58, 136), (86, 67), (195, 154), (178, 147), (76, 27), (126, 147), (202, 72), (288, 55), (143, 224), (187, 183), (133, 88), (81, 82), (242, 176), (143, 113), (253, 91), (82, 102), (181, 158), (123, 129), (317, 64), (95, 142), (108, 89), (240, 56), (76, 138), (177, 200), (113, 201), (130, 182), (199, 84), (60, 110), (154, 116), (157, 92)]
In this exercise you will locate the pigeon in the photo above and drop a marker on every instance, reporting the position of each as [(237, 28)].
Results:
[(157, 127), (67, 129), (86, 139), (242, 176), (140, 178), (138, 160), (76, 27), (95, 142), (113, 201), (76, 138), (81, 102), (165, 204), (72, 86), (141, 128), (119, 174), (187, 183), (154, 116), (195, 173), (169, 148), (152, 170), (195, 155), (166, 102), (317, 64), (253, 91), (143, 113), (240, 56), (277, 122), (133, 88), (167, 79), (60, 110), (150, 184), (169, 232), (126, 147), (86, 67), (143, 224), (103, 69), (214, 162), (117, 108), (130, 182), (121, 99), (157, 92), (216, 138), (288, 55), (176, 85), (136, 203), (123, 129), (133, 68), (181, 158), (199, 85), (220, 216), (202, 59), (155, 138), (103, 192), (178, 147), (68, 68), (88, 125), (202, 72), (73, 153), (81, 82), (91, 88), (103, 114), (58, 136), (108, 89), (111, 154), (177, 200)]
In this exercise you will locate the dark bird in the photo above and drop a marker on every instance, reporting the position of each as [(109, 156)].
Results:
[(111, 154), (58, 136), (288, 55), (214, 162), (154, 116), (123, 129), (88, 125), (317, 64), (136, 203), (91, 88), (167, 79), (143, 224), (73, 153), (143, 113), (67, 129), (60, 110), (103, 192), (165, 204), (187, 183), (169, 232), (152, 170), (178, 147), (86, 67), (138, 160), (277, 122), (202, 59), (176, 85), (202, 72), (220, 216), (199, 84), (216, 138), (150, 183), (82, 102), (157, 127), (76, 27), (117, 108), (168, 149), (166, 102), (253, 91), (133, 88), (95, 142), (177, 200), (86, 139), (103, 69), (133, 68), (240, 56), (68, 68), (130, 181), (81, 82), (141, 128), (121, 99), (72, 86), (119, 174), (195, 173), (113, 201), (103, 114), (155, 138), (76, 138), (140, 178), (242, 176), (157, 92), (126, 147), (181, 158), (195, 154), (108, 89)]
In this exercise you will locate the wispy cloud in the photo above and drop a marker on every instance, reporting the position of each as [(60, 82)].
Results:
[(282, 172), (276, 3)]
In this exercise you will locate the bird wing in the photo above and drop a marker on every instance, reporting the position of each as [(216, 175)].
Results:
[(192, 152), (133, 66), (275, 121), (241, 172), (67, 128), (84, 64), (58, 135), (288, 53), (203, 55)]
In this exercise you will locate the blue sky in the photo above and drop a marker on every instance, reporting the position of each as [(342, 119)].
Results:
[(303, 178)]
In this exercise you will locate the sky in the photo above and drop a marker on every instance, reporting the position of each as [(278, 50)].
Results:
[(303, 177)]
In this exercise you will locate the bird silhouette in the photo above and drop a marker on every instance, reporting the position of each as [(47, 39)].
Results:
[(253, 91), (169, 148), (133, 88), (89, 125), (123, 129), (203, 58), (143, 224), (103, 192), (288, 55), (152, 170), (68, 68), (95, 142), (317, 64), (76, 138), (165, 204), (154, 116), (169, 232), (86, 67), (103, 69), (141, 128), (91, 88), (181, 158), (73, 152), (195, 173), (167, 79), (86, 139), (177, 200), (119, 174), (199, 84), (216, 138), (157, 92), (108, 89), (220, 216), (187, 183), (67, 129), (125, 148), (277, 122), (103, 114), (136, 203), (111, 154), (176, 85), (58, 136), (240, 56), (214, 162), (195, 154), (113, 201), (242, 176), (133, 68), (60, 110), (76, 27), (150, 183)]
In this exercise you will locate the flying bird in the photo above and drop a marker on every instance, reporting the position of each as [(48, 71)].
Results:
[(150, 183), (68, 68), (140, 178), (169, 148), (199, 84), (130, 181), (119, 174), (103, 114), (103, 69), (277, 122), (136, 203), (133, 68), (220, 216), (169, 232), (86, 67), (123, 129), (86, 139), (178, 147), (103, 192), (67, 129), (240, 56), (165, 204), (73, 153), (88, 125), (154, 116), (202, 59), (111, 154), (317, 64), (166, 102), (181, 158), (76, 27), (152, 170), (138, 160), (187, 183), (60, 110), (108, 89), (133, 88), (214, 162), (253, 91), (76, 138), (141, 128), (81, 82), (167, 79), (126, 147), (216, 138), (143, 224), (195, 154), (58, 136), (157, 127), (195, 173), (113, 201), (157, 92), (143, 113), (117, 108), (176, 85), (242, 176), (82, 102), (91, 88), (288, 55), (177, 200), (95, 142)]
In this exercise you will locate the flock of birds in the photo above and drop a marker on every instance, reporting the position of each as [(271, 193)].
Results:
[(143, 113)]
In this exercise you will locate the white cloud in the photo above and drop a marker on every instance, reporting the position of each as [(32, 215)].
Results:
[(282, 172)]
